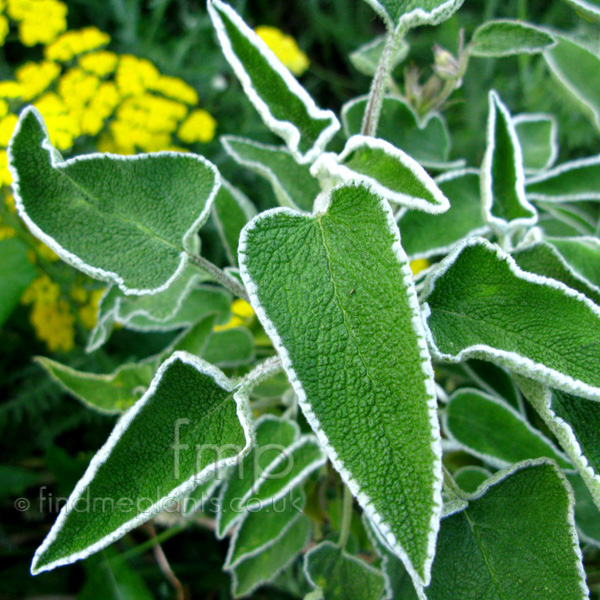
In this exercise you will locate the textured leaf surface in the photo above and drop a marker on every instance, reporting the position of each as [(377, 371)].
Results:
[(582, 254), (16, 273), (231, 211), (575, 422), (150, 459), (428, 142), (502, 176), (576, 68), (538, 137), (515, 540), (131, 220), (292, 183), (423, 236), (569, 182), (587, 517), (264, 567), (372, 405), (400, 15), (342, 576), (389, 171), (229, 348), (505, 38), (488, 429), (283, 104), (550, 333), (366, 58)]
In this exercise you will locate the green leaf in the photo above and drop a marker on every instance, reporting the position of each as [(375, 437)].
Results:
[(16, 273), (401, 15), (516, 539), (366, 58), (231, 211), (292, 183), (283, 104), (480, 304), (542, 258), (576, 69), (469, 478), (152, 458), (196, 500), (496, 381), (424, 237), (265, 567), (264, 526), (506, 38), (588, 8), (230, 348), (575, 422), (315, 264), (587, 517), (569, 182), (502, 176), (538, 137), (389, 171), (132, 220), (342, 576), (426, 140), (111, 578), (274, 435), (582, 254), (568, 219), (494, 432)]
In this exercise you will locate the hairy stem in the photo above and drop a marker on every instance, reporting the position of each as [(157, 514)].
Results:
[(451, 487), (225, 280)]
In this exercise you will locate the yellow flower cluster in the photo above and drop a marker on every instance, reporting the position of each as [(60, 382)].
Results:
[(285, 48), (39, 21), (416, 266), (242, 314)]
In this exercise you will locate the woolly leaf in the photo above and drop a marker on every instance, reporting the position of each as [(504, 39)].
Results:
[(469, 478), (587, 517), (338, 268), (589, 8), (538, 137), (131, 220), (506, 37)]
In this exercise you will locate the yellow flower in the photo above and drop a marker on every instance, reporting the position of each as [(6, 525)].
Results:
[(101, 63), (233, 322), (200, 126), (40, 21), (242, 309), (10, 90), (5, 176), (36, 77), (135, 75), (175, 88), (151, 112), (7, 126), (41, 289), (62, 123), (419, 265), (88, 313), (3, 108), (77, 88), (76, 42), (285, 48)]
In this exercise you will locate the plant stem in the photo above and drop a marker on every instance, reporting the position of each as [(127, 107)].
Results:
[(451, 487), (229, 282), (346, 517), (149, 544), (379, 86)]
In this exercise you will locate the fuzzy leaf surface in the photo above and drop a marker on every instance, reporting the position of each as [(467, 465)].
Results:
[(506, 38)]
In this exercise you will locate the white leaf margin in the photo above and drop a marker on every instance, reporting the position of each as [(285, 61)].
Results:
[(190, 243), (554, 147), (590, 9), (330, 165), (494, 461), (574, 165), (365, 502), (416, 16), (487, 194), (366, 67), (245, 419), (287, 130), (504, 474), (509, 360)]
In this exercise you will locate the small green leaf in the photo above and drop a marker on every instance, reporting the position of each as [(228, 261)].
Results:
[(230, 348), (231, 211), (576, 424), (549, 333), (426, 140), (132, 220), (196, 500), (283, 104), (502, 176), (389, 171), (366, 58), (152, 458), (538, 137), (264, 526), (263, 568), (506, 38), (568, 219), (342, 576), (401, 15), (516, 539), (589, 8), (424, 237), (314, 263), (496, 381), (576, 69), (569, 182), (582, 254), (292, 183), (492, 431), (470, 478), (16, 273)]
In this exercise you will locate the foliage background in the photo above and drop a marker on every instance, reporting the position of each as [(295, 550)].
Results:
[(47, 438)]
